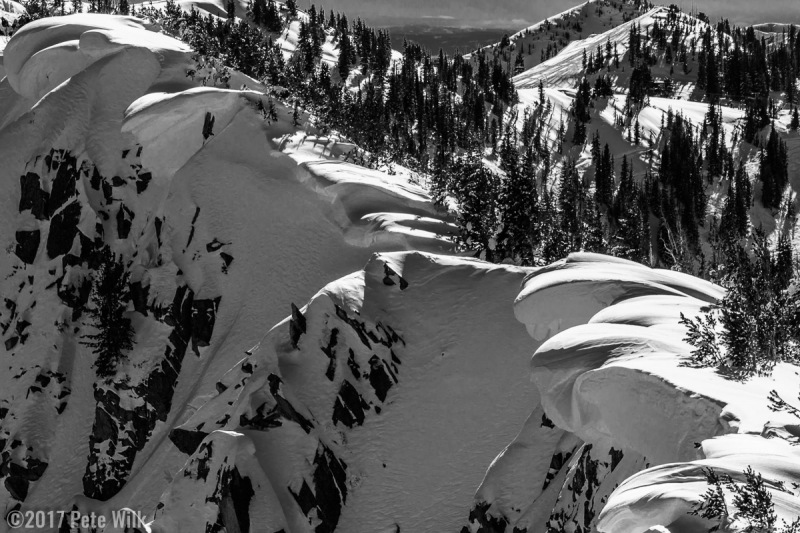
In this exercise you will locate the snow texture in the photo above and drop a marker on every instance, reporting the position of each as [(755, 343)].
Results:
[(402, 396), (107, 140), (615, 375)]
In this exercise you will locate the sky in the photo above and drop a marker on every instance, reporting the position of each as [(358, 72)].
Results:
[(513, 14)]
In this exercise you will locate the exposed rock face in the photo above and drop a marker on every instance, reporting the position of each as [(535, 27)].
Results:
[(27, 245), (315, 398), (121, 433), (622, 415), (208, 230), (376, 407), (225, 490), (32, 197), (363, 353)]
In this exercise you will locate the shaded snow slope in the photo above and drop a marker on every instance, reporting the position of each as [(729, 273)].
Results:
[(666, 494), (542, 41), (566, 68), (584, 284), (618, 397), (105, 140), (397, 384), (402, 397)]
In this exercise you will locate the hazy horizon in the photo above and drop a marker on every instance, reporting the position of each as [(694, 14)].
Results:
[(517, 14)]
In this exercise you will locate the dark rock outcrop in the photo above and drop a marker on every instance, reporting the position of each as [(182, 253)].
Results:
[(125, 431), (63, 229), (32, 197), (27, 245), (329, 493)]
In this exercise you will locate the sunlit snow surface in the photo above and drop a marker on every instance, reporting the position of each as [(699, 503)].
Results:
[(105, 137), (400, 396), (623, 380)]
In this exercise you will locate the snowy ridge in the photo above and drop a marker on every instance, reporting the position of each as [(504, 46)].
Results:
[(90, 117), (399, 398), (378, 386), (544, 40), (566, 69), (618, 397), (666, 494)]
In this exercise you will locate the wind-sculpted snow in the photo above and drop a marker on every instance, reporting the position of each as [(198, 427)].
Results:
[(666, 495), (402, 386), (372, 207), (46, 52), (364, 405), (619, 395), (571, 291), (107, 138)]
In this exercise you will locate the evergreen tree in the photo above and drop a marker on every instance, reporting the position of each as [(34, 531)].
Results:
[(259, 11), (750, 498), (107, 310), (604, 177), (774, 170), (757, 318), (475, 189), (581, 110), (640, 81), (345, 53), (735, 220), (541, 94), (519, 63), (572, 202), (518, 206), (272, 17)]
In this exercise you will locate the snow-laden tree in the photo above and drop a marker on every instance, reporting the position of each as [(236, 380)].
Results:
[(107, 312), (756, 324)]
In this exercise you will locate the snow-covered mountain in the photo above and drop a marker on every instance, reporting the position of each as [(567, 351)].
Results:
[(312, 352), (219, 214), (638, 132), (576, 28)]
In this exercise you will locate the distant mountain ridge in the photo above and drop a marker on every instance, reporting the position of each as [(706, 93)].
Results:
[(304, 212)]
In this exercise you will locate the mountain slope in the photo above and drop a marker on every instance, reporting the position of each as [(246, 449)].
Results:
[(546, 39), (212, 233), (619, 398), (393, 371), (402, 396)]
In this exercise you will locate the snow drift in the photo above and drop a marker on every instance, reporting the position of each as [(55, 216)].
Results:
[(380, 403), (107, 140), (400, 388), (619, 396), (667, 494)]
